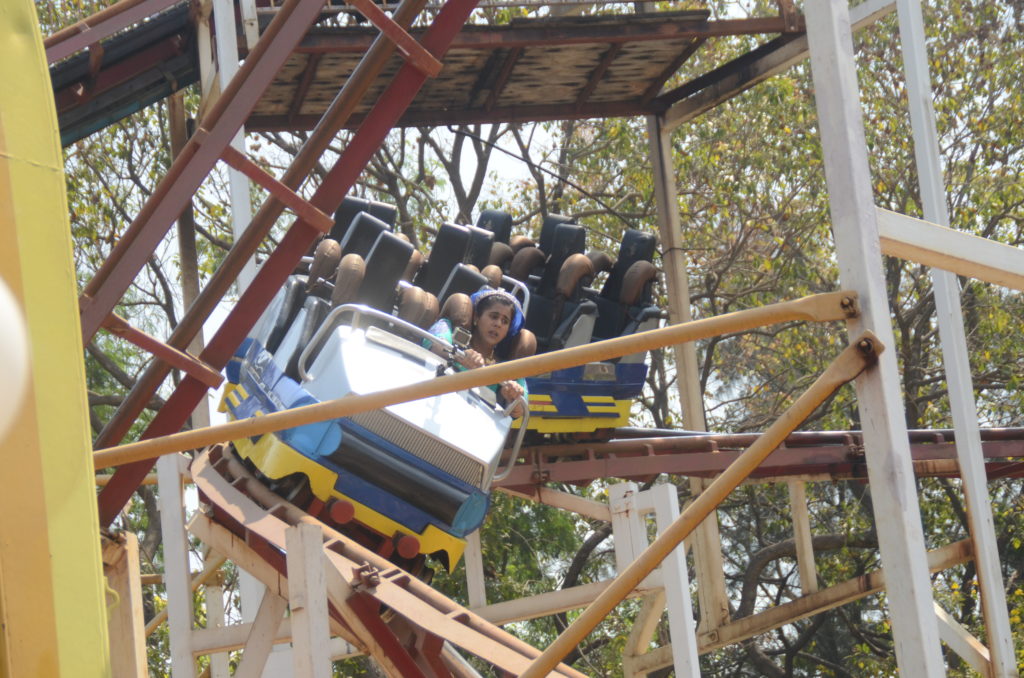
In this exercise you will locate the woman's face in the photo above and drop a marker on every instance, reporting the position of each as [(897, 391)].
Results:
[(492, 324)]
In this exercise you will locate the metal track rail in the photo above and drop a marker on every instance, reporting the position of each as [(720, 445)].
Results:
[(360, 583)]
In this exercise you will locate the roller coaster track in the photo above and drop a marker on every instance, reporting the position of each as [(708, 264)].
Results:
[(398, 620)]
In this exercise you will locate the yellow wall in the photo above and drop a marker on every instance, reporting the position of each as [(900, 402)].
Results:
[(51, 594)]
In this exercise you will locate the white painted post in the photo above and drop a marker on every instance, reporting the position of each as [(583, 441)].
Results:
[(898, 517), (802, 537), (260, 642), (475, 584), (250, 23), (252, 593), (627, 524), (681, 626), (219, 666), (227, 66), (307, 593), (707, 542), (176, 568), (954, 347)]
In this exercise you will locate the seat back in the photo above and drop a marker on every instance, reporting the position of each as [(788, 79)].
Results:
[(351, 206), (462, 279), (386, 261), (316, 310), (479, 251), (547, 230), (362, 234), (294, 294), (636, 246), (566, 239), (497, 222), (449, 249)]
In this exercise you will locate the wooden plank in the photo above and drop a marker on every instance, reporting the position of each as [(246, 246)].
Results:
[(802, 537), (933, 245), (307, 594), (261, 635), (176, 573), (125, 621), (960, 640)]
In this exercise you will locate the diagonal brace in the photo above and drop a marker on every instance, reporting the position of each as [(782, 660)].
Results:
[(849, 364)]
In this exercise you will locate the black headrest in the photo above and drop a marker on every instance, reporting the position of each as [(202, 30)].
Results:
[(497, 222), (361, 235), (351, 206), (449, 249), (547, 230), (636, 246), (479, 251)]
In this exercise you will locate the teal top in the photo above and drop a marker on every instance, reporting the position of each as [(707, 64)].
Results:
[(442, 329)]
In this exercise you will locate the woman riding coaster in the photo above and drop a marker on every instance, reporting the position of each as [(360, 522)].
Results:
[(497, 334)]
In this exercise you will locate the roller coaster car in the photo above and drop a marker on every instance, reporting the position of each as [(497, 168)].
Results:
[(410, 479), (564, 313)]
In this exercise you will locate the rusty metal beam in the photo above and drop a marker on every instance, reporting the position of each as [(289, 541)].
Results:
[(645, 458), (308, 73), (220, 282), (123, 71), (102, 24), (598, 74), (223, 121), (299, 205), (518, 113), (388, 109), (181, 360)]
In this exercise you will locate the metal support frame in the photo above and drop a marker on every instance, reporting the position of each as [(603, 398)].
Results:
[(853, 361), (388, 109), (176, 568), (238, 187), (855, 228), (628, 506), (954, 349)]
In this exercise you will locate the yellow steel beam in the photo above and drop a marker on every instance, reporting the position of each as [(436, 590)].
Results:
[(851, 362), (820, 307)]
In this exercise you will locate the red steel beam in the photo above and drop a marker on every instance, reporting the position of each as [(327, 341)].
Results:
[(115, 324), (299, 205), (410, 50), (348, 97), (100, 25), (192, 165), (275, 270), (701, 457)]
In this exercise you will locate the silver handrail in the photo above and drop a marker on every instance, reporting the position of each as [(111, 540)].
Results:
[(358, 310), (519, 437)]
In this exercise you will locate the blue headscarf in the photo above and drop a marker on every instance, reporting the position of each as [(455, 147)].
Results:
[(516, 323)]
